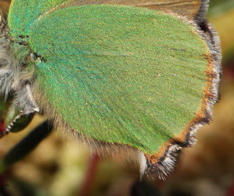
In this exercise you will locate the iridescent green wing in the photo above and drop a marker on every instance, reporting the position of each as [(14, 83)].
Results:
[(121, 74), (185, 8), (190, 9), (24, 13)]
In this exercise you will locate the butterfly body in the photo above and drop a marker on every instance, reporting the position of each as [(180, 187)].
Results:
[(115, 74)]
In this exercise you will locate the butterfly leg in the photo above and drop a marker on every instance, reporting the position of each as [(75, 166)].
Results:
[(23, 97), (24, 100)]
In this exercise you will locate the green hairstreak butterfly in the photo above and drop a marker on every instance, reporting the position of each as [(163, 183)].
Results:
[(136, 74)]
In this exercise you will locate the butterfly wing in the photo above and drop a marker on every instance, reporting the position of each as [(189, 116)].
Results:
[(24, 13), (185, 8), (123, 74), (118, 74), (20, 20)]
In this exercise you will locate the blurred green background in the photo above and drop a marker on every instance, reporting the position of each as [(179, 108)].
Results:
[(60, 166)]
